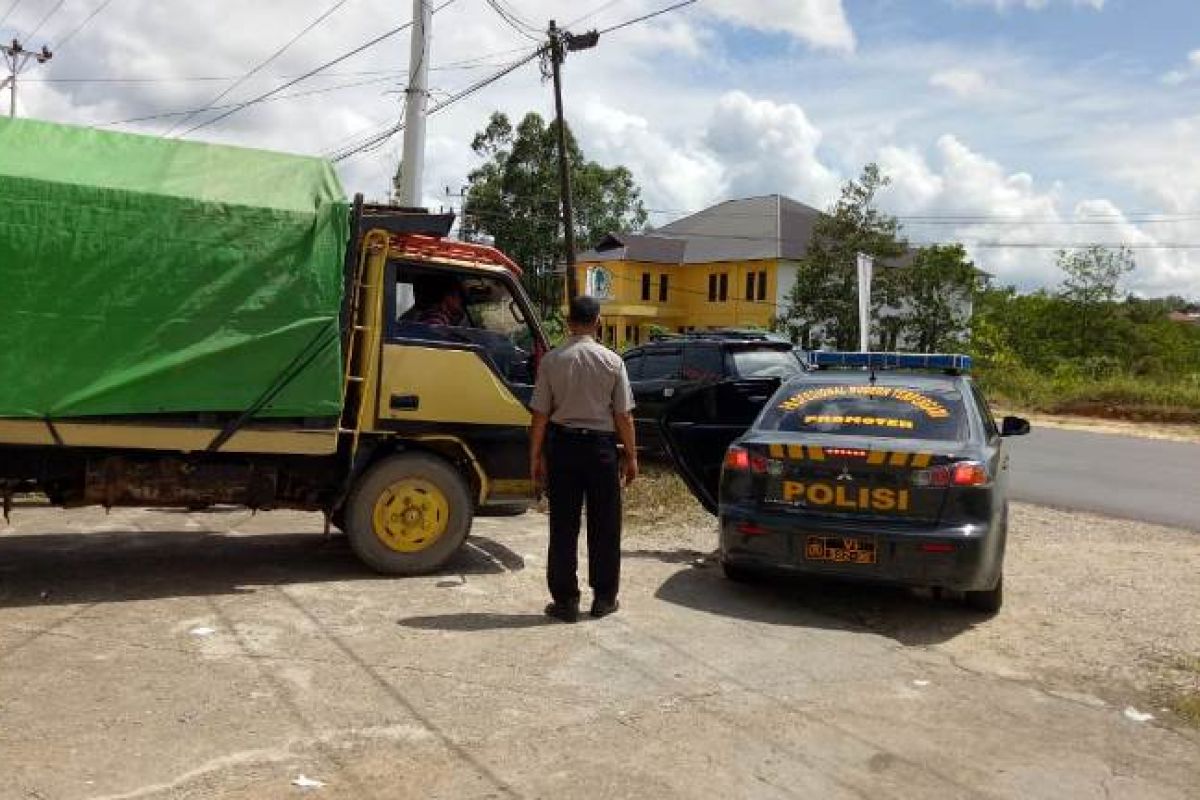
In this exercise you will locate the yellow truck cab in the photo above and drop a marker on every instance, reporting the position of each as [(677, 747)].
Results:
[(193, 325)]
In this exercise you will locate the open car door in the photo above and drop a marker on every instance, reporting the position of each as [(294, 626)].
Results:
[(699, 426)]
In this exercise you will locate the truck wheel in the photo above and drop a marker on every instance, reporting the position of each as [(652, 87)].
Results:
[(738, 573), (988, 601), (409, 514)]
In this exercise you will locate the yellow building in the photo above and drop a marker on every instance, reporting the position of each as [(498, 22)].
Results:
[(728, 266)]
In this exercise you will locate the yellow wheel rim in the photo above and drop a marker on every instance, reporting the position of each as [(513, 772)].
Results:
[(411, 515)]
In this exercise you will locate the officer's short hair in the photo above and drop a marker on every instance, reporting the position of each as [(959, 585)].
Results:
[(584, 310)]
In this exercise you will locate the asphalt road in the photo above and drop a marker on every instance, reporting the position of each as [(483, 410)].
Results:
[(1119, 476)]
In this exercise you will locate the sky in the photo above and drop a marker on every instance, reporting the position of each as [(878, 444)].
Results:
[(1016, 127)]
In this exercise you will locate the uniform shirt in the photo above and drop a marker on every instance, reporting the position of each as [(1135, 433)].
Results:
[(581, 384)]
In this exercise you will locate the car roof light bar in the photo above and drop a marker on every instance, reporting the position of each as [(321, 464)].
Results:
[(942, 362)]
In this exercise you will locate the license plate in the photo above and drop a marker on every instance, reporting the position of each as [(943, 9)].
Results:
[(840, 549)]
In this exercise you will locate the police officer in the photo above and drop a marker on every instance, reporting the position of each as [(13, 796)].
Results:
[(581, 409)]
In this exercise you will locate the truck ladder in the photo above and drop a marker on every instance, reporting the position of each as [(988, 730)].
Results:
[(361, 357)]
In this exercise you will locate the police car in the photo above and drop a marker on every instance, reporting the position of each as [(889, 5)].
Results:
[(875, 466)]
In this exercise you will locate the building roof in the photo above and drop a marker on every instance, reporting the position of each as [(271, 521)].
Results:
[(750, 229)]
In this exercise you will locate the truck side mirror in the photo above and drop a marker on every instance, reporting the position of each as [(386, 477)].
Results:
[(1014, 426)]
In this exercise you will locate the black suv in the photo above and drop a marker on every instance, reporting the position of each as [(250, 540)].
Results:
[(670, 365)]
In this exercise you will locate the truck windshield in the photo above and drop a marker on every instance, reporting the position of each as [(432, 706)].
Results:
[(896, 412)]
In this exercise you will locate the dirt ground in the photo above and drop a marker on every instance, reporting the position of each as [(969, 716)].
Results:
[(150, 654)]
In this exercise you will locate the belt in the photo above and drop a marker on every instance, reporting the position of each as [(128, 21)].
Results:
[(567, 430)]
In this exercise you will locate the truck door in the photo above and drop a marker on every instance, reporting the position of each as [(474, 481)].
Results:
[(463, 367)]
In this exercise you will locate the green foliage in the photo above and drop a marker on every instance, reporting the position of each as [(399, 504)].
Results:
[(935, 293), (1090, 291), (826, 290), (1133, 361), (514, 198)]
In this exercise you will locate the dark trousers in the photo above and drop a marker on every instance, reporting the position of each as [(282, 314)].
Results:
[(583, 468)]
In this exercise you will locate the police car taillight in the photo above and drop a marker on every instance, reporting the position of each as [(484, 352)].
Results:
[(739, 459), (961, 473)]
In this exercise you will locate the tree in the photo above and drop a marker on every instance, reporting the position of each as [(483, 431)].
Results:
[(937, 293), (514, 198), (826, 292), (1090, 287)]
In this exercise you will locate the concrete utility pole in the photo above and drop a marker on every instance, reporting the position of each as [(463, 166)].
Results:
[(15, 58), (560, 43), (412, 168)]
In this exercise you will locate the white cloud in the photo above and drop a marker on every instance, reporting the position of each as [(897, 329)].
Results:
[(1032, 5), (822, 23), (1190, 70), (767, 147), (960, 80), (964, 196)]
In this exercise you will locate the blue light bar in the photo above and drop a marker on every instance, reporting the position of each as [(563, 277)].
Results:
[(931, 361)]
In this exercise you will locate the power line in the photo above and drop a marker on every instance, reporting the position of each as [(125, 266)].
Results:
[(514, 21), (45, 19), (263, 64), (11, 9), (360, 144), (95, 13), (344, 56), (645, 17), (293, 95), (979, 244), (600, 9)]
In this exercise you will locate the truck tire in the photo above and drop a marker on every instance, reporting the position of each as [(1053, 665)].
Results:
[(409, 514)]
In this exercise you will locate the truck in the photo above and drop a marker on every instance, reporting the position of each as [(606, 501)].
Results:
[(189, 325)]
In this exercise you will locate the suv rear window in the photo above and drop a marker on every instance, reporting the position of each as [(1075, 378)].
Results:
[(765, 363), (898, 412)]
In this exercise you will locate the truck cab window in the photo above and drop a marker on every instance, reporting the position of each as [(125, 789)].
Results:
[(471, 310)]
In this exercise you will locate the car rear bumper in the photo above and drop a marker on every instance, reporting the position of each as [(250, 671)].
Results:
[(961, 557)]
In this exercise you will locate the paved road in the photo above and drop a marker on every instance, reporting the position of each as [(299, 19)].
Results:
[(1120, 476)]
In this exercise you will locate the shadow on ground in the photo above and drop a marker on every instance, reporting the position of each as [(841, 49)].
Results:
[(470, 622), (900, 614), (102, 567)]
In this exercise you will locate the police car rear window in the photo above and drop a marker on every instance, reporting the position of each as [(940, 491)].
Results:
[(897, 412)]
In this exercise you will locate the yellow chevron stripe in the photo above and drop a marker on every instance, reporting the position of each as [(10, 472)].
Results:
[(795, 452), (816, 453), (776, 451), (898, 459), (921, 460), (877, 457)]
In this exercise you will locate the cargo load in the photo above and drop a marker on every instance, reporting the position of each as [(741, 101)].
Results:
[(149, 276)]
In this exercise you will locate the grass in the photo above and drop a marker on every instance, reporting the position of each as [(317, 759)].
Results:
[(1119, 397), (660, 502)]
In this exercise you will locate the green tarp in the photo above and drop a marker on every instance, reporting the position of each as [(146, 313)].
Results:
[(141, 275)]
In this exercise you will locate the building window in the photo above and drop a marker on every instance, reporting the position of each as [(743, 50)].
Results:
[(712, 288), (628, 332), (610, 334), (724, 286), (645, 285), (750, 276), (762, 286), (662, 287), (637, 334)]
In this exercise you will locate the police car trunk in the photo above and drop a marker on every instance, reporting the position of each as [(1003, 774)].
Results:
[(837, 464)]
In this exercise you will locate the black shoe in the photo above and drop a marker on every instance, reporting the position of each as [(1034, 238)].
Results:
[(602, 608), (565, 612)]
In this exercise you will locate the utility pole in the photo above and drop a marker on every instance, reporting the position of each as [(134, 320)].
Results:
[(562, 42), (412, 168), (15, 58)]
